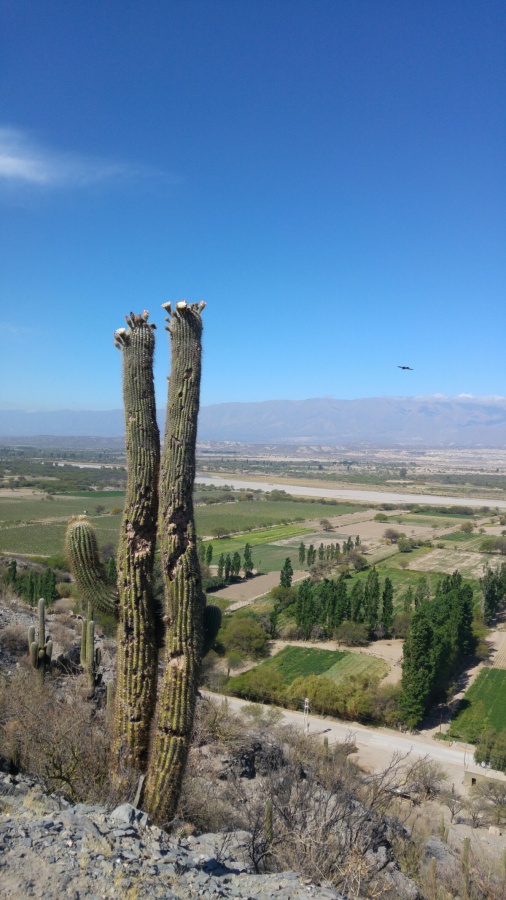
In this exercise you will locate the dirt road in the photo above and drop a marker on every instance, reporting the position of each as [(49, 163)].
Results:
[(376, 746), (364, 495)]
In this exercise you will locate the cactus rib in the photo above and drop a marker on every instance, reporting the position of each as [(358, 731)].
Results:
[(181, 570), (137, 652)]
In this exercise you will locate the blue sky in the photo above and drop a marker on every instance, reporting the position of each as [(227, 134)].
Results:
[(328, 176)]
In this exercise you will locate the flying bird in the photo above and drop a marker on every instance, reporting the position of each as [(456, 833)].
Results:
[(406, 367)]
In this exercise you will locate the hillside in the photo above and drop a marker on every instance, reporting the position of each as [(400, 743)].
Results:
[(380, 421)]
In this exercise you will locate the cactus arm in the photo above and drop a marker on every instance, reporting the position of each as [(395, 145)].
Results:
[(137, 654), (34, 655), (84, 636), (181, 570), (40, 651), (82, 552)]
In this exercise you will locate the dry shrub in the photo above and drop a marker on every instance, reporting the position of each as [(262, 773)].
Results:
[(67, 590), (306, 807), (59, 738), (63, 606), (14, 639), (9, 598), (63, 636)]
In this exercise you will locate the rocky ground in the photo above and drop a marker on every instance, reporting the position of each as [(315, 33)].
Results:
[(53, 849)]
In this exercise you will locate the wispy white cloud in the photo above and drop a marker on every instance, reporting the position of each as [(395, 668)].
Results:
[(8, 330), (472, 398), (24, 161)]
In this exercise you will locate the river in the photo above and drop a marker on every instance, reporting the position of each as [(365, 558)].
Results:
[(351, 494)]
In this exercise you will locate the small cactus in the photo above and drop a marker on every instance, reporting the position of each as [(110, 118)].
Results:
[(91, 656), (40, 651)]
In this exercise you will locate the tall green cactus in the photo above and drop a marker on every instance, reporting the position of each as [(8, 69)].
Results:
[(147, 740), (184, 598), (137, 656), (40, 651)]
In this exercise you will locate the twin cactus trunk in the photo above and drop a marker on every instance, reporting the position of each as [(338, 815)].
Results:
[(41, 650), (153, 723)]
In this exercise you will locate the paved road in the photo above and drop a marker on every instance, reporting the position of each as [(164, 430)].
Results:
[(349, 494), (376, 746)]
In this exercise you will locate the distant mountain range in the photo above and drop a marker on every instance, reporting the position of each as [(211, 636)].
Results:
[(379, 421)]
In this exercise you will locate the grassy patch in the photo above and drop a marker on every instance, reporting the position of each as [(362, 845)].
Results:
[(484, 704), (471, 541), (47, 539), (293, 662), (266, 536), (242, 517), (356, 664)]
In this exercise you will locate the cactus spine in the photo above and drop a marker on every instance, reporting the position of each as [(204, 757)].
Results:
[(41, 650), (184, 599)]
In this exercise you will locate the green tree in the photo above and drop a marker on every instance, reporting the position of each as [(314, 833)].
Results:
[(286, 574), (387, 612), (372, 598), (248, 560), (342, 608), (422, 593), (236, 564), (228, 567), (408, 598), (357, 602), (209, 554), (245, 634), (302, 553), (417, 669), (11, 574), (221, 566)]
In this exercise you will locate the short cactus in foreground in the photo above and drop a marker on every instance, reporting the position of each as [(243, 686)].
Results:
[(91, 656), (40, 650), (154, 742)]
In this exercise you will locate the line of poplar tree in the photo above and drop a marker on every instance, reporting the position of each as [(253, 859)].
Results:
[(329, 603), (32, 585), (326, 552), (439, 638), (493, 589)]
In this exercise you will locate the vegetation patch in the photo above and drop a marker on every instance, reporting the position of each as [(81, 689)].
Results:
[(483, 705), (357, 664), (292, 663)]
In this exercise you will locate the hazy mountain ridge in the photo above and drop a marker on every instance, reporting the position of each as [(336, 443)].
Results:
[(388, 421)]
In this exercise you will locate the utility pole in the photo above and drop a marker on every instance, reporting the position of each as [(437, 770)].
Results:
[(306, 715)]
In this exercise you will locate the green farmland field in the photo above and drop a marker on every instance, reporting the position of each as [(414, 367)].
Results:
[(48, 538), (36, 526), (292, 662), (356, 664), (483, 705), (239, 517), (31, 509), (266, 535)]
